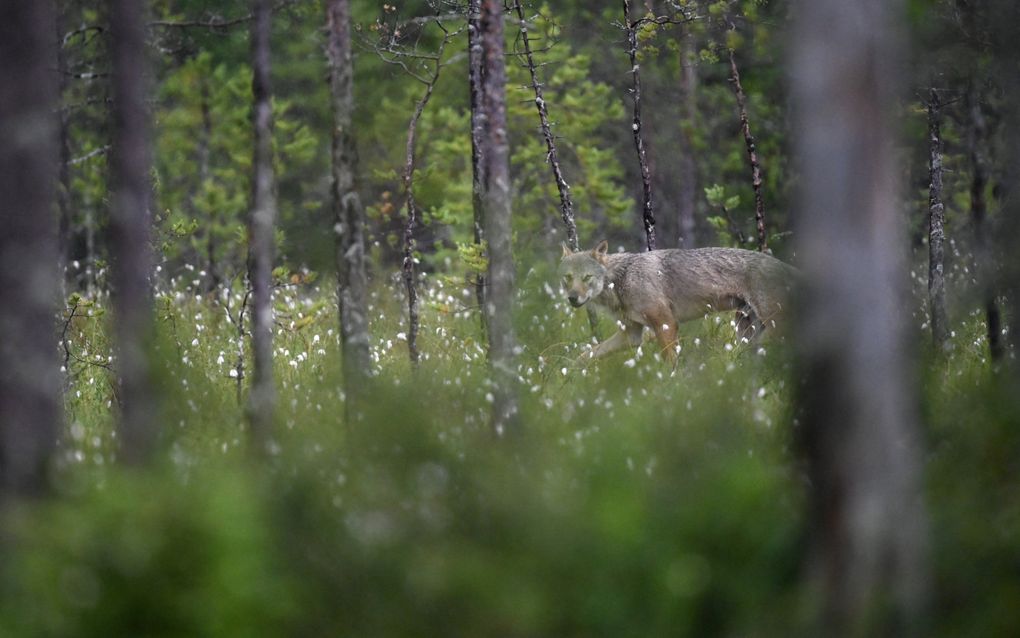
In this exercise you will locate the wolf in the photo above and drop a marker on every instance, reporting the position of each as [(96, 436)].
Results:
[(660, 289)]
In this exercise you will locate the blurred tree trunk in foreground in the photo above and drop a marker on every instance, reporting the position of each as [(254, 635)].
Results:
[(866, 566), (1002, 17), (29, 377), (348, 214), (262, 395), (130, 227), (495, 165)]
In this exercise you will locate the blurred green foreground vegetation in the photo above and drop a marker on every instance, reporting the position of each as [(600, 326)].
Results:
[(636, 502)]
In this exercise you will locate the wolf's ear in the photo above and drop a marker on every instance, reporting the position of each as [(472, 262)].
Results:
[(566, 249), (600, 251)]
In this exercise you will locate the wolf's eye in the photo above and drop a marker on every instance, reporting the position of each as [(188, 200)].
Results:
[(587, 279), (567, 277)]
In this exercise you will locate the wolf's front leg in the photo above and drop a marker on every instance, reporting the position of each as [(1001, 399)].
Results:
[(628, 337)]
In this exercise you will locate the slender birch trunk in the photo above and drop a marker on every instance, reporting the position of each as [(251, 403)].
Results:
[(866, 564), (130, 230), (30, 412)]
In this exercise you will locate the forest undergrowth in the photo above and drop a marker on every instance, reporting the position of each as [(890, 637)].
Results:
[(636, 500)]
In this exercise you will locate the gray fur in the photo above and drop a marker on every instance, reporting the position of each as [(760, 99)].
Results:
[(662, 288)]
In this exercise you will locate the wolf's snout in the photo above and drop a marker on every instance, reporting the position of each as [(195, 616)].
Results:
[(574, 301)]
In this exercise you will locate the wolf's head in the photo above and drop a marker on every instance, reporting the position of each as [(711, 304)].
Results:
[(583, 274)]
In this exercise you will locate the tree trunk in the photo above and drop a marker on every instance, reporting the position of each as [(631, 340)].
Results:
[(977, 142), (1003, 18), (262, 394), (936, 227), (348, 214), (552, 156), (687, 167), (476, 73), (496, 207), (866, 563), (647, 213), (30, 411), (752, 155), (130, 228)]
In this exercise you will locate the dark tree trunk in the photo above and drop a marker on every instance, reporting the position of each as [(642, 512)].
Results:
[(977, 142), (936, 226), (262, 394), (496, 207), (348, 214), (752, 154), (866, 564), (647, 213), (687, 167), (30, 413), (476, 71), (552, 156), (411, 223), (130, 228)]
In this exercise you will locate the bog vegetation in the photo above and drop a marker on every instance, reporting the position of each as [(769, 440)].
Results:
[(635, 498)]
